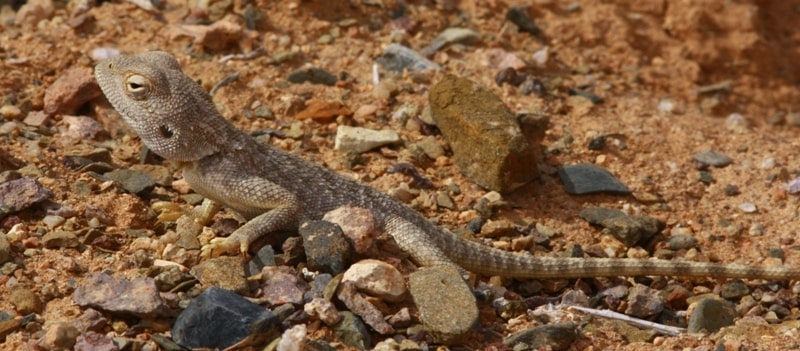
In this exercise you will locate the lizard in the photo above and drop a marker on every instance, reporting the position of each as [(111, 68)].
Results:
[(275, 190)]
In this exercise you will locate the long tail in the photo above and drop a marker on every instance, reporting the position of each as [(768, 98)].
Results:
[(485, 260)]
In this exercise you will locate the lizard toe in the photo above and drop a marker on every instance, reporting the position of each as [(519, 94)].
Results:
[(218, 247)]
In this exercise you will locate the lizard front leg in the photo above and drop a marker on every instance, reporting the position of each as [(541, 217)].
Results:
[(269, 206)]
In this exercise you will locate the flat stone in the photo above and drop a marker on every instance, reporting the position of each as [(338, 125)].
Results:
[(398, 58), (312, 75), (137, 297), (446, 304), (133, 181), (487, 142), (630, 230), (358, 139), (219, 318), (584, 179), (712, 158)]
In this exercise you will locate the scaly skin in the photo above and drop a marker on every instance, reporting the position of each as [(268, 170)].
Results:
[(274, 190)]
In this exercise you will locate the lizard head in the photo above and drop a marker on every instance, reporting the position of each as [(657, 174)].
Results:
[(172, 114)]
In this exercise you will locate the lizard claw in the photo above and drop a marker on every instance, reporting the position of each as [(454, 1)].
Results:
[(218, 246)]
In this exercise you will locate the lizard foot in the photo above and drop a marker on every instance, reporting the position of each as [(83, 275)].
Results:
[(220, 246)]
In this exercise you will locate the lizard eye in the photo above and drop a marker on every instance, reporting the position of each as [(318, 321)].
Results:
[(137, 86)]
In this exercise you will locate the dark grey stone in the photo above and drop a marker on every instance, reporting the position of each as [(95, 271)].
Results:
[(558, 337), (326, 247), (584, 179), (312, 75), (219, 318), (710, 314)]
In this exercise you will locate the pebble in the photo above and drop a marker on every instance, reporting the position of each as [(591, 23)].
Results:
[(321, 111), (681, 242), (137, 296), (94, 341), (91, 320), (103, 53), (584, 179), (444, 201), (326, 247), (376, 278), (359, 305), (666, 105), (282, 286), (60, 239), (58, 336), (748, 207), (133, 181), (793, 119), (33, 12), (430, 146), (312, 75), (484, 135), (793, 187), (399, 58), (19, 194), (519, 16), (352, 332), (732, 190), (219, 318), (557, 337), (358, 226), (24, 300), (219, 36), (630, 230), (733, 289), (263, 258), (498, 228), (450, 36), (706, 177), (358, 139), (445, 302), (74, 87), (226, 272), (324, 310), (293, 339), (81, 128), (709, 315), (712, 158), (10, 112), (5, 249), (644, 302)]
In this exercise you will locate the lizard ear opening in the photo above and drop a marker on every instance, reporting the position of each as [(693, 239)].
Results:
[(165, 131)]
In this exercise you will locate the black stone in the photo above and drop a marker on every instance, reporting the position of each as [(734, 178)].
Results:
[(219, 318), (583, 179)]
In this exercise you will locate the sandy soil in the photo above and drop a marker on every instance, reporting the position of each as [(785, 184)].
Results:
[(636, 55)]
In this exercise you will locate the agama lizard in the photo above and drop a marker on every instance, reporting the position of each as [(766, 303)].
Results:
[(275, 190)]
